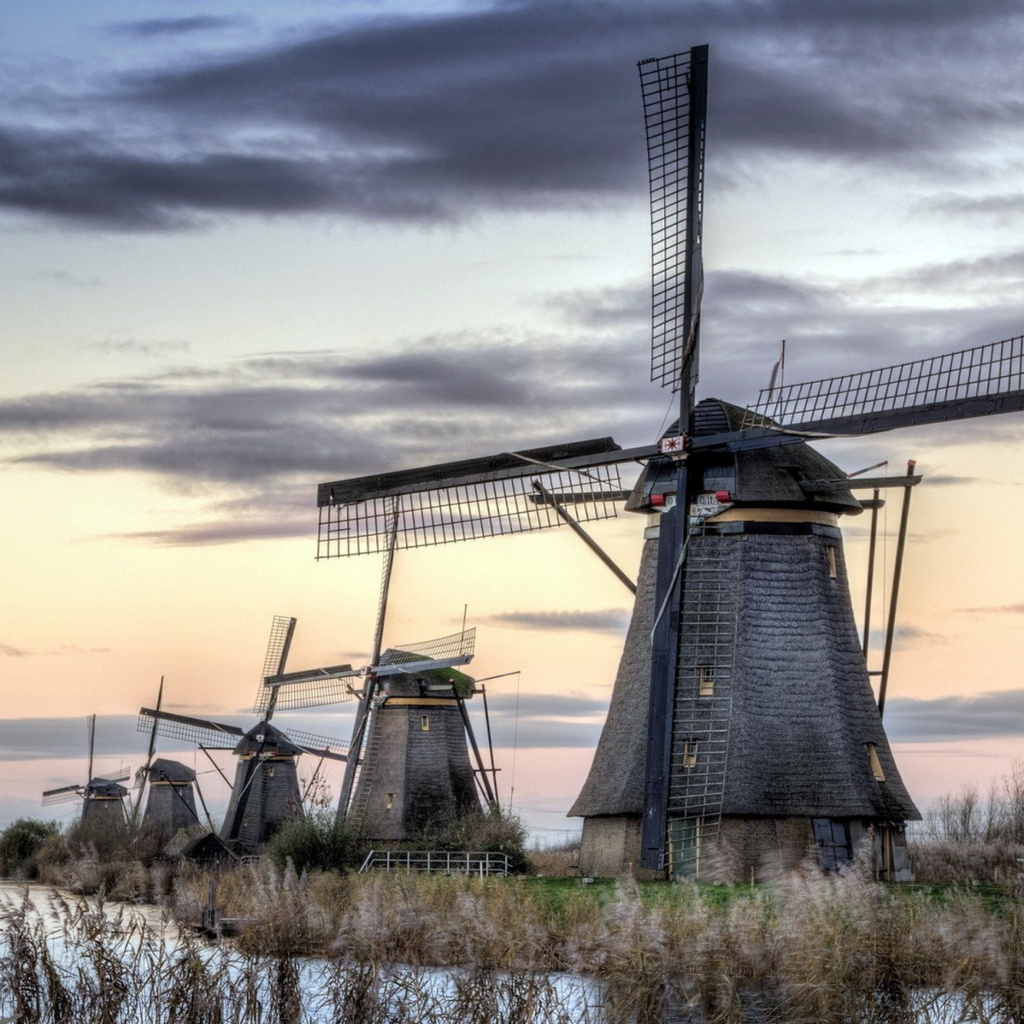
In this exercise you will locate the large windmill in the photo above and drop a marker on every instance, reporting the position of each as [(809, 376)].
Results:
[(265, 792), (409, 766), (743, 728), (102, 796)]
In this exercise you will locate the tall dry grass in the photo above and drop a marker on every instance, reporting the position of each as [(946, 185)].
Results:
[(385, 949)]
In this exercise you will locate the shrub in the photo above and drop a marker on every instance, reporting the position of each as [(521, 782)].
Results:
[(316, 842), (19, 845), (484, 832)]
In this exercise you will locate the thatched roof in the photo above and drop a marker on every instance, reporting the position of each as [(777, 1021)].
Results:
[(615, 784), (163, 770), (265, 738)]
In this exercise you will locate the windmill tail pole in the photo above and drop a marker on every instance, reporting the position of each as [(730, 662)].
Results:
[(485, 782), (549, 499), (490, 745), (871, 572), (896, 573)]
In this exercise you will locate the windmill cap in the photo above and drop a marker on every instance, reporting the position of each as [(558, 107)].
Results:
[(163, 770), (767, 477), (265, 738)]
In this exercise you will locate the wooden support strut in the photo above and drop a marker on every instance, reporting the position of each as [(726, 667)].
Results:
[(890, 629)]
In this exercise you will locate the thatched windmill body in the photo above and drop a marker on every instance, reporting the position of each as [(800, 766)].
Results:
[(265, 792), (743, 728), (170, 799)]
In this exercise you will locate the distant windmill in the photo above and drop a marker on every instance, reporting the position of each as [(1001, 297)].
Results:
[(102, 797), (409, 765), (166, 788), (743, 727), (266, 791)]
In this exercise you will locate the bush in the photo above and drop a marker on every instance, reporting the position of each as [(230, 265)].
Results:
[(483, 832), (19, 844), (316, 842)]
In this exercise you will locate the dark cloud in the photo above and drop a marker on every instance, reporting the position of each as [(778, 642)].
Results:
[(9, 651), (533, 105), (160, 27), (323, 415), (607, 620), (943, 719), (546, 720), (31, 738)]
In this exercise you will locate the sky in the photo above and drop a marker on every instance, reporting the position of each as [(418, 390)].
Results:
[(252, 247)]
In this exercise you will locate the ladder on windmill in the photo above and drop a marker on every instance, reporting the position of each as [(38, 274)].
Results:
[(703, 702)]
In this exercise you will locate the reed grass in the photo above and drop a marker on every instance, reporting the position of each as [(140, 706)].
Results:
[(384, 948)]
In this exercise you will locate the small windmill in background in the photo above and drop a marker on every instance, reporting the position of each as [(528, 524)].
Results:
[(102, 796), (265, 792), (166, 788), (409, 765)]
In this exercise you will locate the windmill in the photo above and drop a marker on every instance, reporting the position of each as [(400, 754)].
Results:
[(265, 792), (102, 796), (743, 727), (409, 764), (167, 789)]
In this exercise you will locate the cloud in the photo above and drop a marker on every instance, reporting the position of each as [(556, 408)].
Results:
[(607, 620), (906, 636), (546, 720), (437, 116), (1002, 609), (8, 651), (175, 27), (941, 719), (248, 427)]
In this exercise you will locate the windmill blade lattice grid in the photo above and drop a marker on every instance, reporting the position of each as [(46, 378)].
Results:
[(676, 285), (312, 691), (919, 391), (191, 730), (280, 635), (454, 646), (483, 508)]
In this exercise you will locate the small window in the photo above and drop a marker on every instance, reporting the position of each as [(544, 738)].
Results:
[(705, 681), (876, 765), (690, 754), (389, 801), (831, 553), (425, 723)]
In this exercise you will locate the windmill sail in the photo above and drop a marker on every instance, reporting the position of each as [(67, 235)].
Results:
[(310, 688), (201, 731), (465, 500), (675, 108), (282, 630), (979, 381)]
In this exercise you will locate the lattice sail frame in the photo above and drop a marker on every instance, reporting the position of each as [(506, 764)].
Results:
[(455, 647), (973, 381), (329, 686), (676, 171), (218, 735), (282, 629), (447, 513)]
